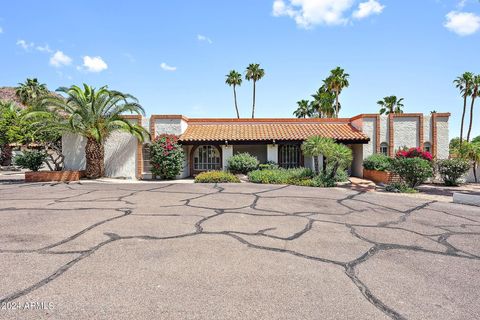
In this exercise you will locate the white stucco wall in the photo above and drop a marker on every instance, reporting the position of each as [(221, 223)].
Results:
[(405, 132), (384, 136), (227, 153), (272, 152), (443, 139), (120, 154), (368, 128), (169, 126), (427, 126), (73, 148), (186, 163)]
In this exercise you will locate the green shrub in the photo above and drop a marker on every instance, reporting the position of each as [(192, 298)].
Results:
[(412, 171), (166, 156), (324, 181), (269, 165), (216, 177), (378, 162), (242, 163), (32, 160), (280, 176), (341, 176), (452, 170), (399, 187)]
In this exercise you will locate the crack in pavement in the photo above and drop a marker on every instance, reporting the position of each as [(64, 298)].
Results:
[(347, 202)]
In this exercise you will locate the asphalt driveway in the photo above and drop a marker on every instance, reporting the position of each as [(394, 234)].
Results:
[(233, 251)]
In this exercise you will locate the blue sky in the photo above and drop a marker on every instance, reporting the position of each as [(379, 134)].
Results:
[(174, 55)]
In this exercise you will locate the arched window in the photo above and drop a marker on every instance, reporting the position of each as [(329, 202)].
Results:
[(206, 158), (384, 148), (427, 146)]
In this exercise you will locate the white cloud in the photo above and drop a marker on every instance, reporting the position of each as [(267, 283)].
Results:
[(166, 67), (368, 8), (462, 23), (44, 48), (204, 38), (93, 64), (308, 13), (24, 44), (59, 59), (1, 30)]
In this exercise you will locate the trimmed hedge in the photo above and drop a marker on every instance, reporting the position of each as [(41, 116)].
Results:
[(379, 162), (280, 176), (216, 177), (242, 163)]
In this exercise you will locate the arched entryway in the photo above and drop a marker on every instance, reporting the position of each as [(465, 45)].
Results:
[(205, 158)]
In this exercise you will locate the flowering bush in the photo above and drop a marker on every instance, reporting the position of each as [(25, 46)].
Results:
[(414, 153), (166, 156)]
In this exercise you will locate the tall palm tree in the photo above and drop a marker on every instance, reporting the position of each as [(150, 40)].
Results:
[(94, 115), (254, 73), (303, 110), (390, 104), (336, 82), (464, 84), (324, 102), (30, 91), (474, 95), (234, 79)]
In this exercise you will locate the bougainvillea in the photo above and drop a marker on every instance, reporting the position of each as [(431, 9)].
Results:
[(414, 153), (166, 156)]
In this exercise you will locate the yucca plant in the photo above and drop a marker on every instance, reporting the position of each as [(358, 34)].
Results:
[(94, 114)]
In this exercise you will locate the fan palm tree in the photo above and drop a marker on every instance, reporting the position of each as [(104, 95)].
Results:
[(324, 102), (474, 95), (30, 91), (303, 110), (464, 84), (234, 79), (336, 82), (391, 104), (314, 147), (94, 115), (254, 73)]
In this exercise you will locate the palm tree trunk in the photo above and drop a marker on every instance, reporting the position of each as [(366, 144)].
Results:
[(463, 117), (336, 103), (94, 154), (475, 171), (471, 118), (6, 155), (253, 107), (235, 98)]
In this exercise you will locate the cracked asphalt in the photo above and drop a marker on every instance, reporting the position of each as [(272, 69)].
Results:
[(233, 251)]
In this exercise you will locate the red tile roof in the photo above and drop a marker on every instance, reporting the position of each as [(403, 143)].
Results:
[(269, 129)]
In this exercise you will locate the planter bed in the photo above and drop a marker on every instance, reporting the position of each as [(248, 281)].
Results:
[(380, 176), (47, 176)]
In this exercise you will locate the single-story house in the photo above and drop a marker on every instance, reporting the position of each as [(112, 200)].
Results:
[(208, 143)]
